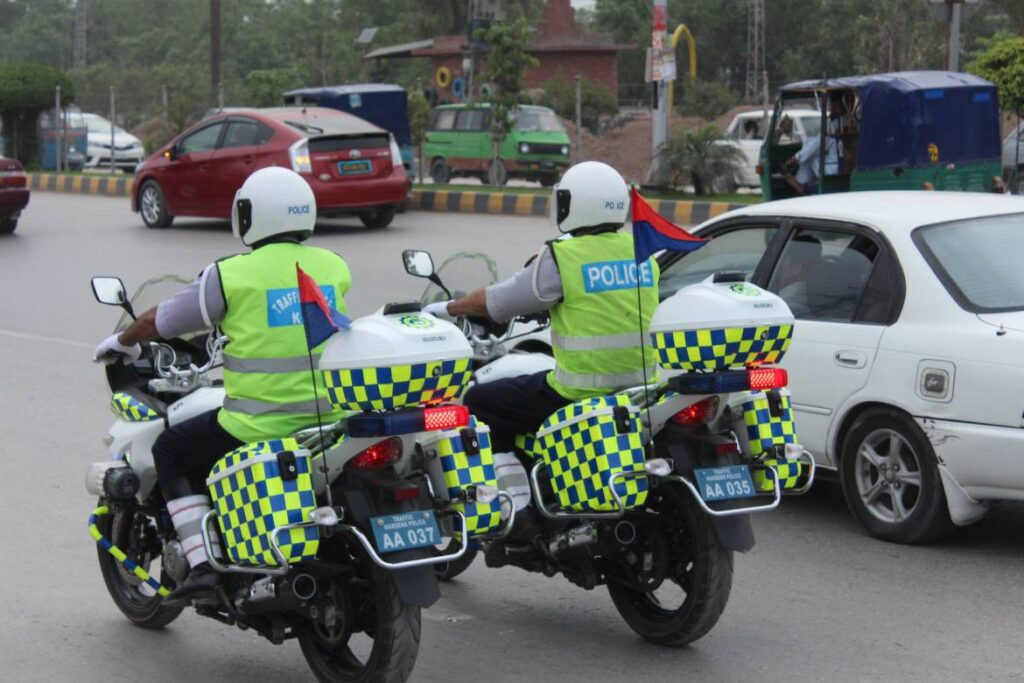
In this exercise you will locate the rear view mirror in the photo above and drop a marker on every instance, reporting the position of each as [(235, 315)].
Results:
[(110, 290), (418, 263), (171, 153)]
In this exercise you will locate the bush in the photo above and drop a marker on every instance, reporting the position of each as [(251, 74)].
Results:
[(595, 100), (706, 99), (1002, 62), (25, 91), (696, 156), (264, 87)]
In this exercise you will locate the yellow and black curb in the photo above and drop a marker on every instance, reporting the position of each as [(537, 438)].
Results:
[(682, 212)]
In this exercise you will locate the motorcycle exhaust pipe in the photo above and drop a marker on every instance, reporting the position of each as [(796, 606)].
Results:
[(624, 532), (304, 587), (281, 595)]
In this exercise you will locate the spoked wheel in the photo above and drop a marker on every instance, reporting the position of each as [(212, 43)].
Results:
[(378, 646), (153, 206), (446, 571), (676, 577), (133, 532)]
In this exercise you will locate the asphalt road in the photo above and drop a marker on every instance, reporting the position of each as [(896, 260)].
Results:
[(815, 600)]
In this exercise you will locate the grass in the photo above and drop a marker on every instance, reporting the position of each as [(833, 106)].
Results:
[(672, 196)]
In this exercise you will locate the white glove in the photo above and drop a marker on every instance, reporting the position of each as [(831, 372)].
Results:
[(111, 350), (439, 309)]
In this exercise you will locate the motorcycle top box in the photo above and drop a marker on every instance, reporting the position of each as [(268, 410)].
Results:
[(720, 323), (392, 361)]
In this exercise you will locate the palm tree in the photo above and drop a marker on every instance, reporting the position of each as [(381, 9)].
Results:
[(700, 157)]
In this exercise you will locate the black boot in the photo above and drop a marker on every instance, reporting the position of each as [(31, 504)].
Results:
[(202, 581)]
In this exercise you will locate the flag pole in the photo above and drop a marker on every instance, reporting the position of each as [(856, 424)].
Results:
[(640, 326)]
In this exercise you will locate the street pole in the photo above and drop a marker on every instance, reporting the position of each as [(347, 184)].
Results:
[(659, 113), (579, 120), (956, 14), (163, 100), (59, 129), (113, 114), (215, 45)]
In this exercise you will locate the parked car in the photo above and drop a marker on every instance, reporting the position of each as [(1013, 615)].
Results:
[(14, 193), (907, 358), (747, 131), (1013, 159), (354, 167), (127, 149), (458, 142)]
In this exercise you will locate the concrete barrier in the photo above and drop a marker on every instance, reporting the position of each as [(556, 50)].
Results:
[(113, 185)]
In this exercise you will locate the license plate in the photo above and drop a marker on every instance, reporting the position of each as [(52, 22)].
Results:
[(724, 483), (355, 167), (405, 531)]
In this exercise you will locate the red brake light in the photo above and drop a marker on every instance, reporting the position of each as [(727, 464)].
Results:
[(697, 413), (380, 454), (442, 418), (765, 379)]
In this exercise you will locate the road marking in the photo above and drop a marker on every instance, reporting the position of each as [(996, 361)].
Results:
[(44, 338), (440, 614)]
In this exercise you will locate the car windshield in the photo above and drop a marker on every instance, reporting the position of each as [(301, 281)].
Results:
[(978, 260), (98, 124), (462, 273), (538, 120)]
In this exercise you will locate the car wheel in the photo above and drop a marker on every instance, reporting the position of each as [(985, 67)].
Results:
[(891, 480), (153, 207), (7, 224), (497, 174), (380, 218), (548, 180), (440, 172)]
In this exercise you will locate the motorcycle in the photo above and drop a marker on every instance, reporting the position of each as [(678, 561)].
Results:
[(328, 534), (649, 491)]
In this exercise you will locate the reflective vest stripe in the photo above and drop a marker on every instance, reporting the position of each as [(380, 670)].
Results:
[(578, 380), (269, 365), (606, 342), (251, 406)]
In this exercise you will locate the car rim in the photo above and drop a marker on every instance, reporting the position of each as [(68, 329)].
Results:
[(888, 476), (150, 205)]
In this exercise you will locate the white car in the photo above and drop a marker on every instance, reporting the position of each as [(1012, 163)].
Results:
[(907, 359), (1013, 159), (747, 132), (128, 151)]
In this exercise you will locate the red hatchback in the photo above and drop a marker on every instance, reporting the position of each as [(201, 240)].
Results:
[(13, 193), (354, 167)]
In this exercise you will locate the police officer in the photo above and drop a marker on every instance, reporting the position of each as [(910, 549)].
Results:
[(252, 297), (587, 280)]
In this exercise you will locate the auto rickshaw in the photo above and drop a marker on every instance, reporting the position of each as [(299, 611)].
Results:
[(913, 130)]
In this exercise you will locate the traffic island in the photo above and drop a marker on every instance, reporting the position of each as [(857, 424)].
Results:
[(111, 185)]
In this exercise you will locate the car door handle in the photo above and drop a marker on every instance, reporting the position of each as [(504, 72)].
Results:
[(850, 359)]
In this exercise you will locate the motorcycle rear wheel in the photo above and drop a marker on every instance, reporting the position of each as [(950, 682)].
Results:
[(138, 602), (704, 575)]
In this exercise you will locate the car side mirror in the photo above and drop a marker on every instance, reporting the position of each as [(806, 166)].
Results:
[(418, 263), (110, 290), (171, 153)]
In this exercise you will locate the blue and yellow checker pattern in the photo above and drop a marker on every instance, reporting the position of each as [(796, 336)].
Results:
[(399, 386), (253, 499), (788, 471), (721, 348), (131, 409), (462, 470), (763, 430), (587, 449)]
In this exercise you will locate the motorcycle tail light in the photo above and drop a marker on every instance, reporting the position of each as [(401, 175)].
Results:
[(765, 379), (406, 493), (439, 418), (379, 455), (730, 381), (697, 413), (445, 417)]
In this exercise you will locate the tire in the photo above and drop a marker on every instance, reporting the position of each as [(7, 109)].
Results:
[(142, 608), (497, 174), (891, 479), (396, 643), (7, 224), (447, 571), (378, 218), (153, 206), (708, 568), (440, 172)]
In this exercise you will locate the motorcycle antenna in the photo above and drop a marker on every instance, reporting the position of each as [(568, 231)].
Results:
[(643, 346)]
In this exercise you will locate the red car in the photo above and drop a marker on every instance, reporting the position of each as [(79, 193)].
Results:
[(354, 167), (13, 193)]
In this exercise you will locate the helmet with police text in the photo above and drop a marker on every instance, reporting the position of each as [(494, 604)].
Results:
[(273, 201), (589, 194)]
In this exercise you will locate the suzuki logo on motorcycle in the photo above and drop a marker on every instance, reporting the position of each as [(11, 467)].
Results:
[(299, 209), (608, 276)]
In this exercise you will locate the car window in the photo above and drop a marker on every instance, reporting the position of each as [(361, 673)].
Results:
[(736, 250), (471, 119), (978, 261), (822, 274), (241, 133), (811, 125), (528, 120), (202, 140), (444, 119)]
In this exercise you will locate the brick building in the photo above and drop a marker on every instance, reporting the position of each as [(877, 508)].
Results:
[(562, 47)]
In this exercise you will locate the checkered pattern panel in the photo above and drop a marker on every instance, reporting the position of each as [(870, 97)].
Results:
[(720, 348), (529, 444), (131, 409), (254, 500), (462, 470), (764, 430), (582, 456), (399, 386), (789, 472)]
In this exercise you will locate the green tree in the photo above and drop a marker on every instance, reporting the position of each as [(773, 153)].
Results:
[(1002, 62), (506, 61), (596, 100), (26, 90), (697, 156), (419, 119), (264, 87)]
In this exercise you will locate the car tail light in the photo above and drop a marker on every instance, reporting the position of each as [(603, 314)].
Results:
[(396, 153), (14, 178), (408, 421), (729, 381), (299, 156), (379, 455), (696, 414)]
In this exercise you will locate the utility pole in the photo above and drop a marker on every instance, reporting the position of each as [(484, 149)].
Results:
[(952, 12), (60, 129), (215, 46), (113, 127), (757, 81), (78, 49), (662, 71), (579, 120)]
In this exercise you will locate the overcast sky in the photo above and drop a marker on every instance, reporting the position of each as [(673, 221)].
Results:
[(583, 3)]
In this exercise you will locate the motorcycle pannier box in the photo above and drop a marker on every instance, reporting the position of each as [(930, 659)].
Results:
[(258, 488), (584, 444), (457, 460), (765, 426), (717, 325), (388, 362)]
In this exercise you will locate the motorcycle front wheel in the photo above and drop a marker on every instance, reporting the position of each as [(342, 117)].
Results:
[(685, 602), (131, 531)]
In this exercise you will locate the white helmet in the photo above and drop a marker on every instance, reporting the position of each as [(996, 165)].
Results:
[(273, 201), (590, 194)]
